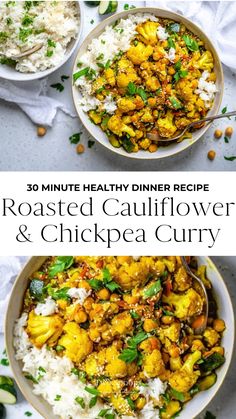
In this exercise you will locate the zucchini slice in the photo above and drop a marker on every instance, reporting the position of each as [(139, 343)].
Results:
[(106, 7), (2, 411), (92, 3), (6, 380), (207, 382), (7, 394)]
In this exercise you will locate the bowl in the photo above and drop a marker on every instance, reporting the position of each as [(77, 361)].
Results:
[(9, 73), (173, 148), (192, 409)]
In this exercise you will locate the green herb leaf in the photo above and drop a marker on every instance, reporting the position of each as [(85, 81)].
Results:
[(91, 143), (80, 401), (130, 402), (177, 395), (63, 78), (190, 43), (58, 86), (81, 73), (41, 369), (129, 355), (4, 362), (167, 312), (103, 412), (230, 158), (135, 340), (61, 264), (59, 348), (60, 294), (178, 65), (153, 289), (80, 374), (75, 138), (28, 414), (92, 390), (134, 315), (226, 139), (96, 284), (131, 88), (112, 286), (31, 378), (224, 110), (170, 42), (93, 402), (57, 398), (175, 102)]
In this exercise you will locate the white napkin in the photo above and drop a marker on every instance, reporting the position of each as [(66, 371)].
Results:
[(216, 18), (33, 98), (9, 269)]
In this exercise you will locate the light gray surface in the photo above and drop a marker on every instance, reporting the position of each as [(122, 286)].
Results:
[(224, 403), (21, 149)]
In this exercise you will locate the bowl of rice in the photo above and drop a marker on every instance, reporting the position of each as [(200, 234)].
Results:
[(146, 70), (51, 28), (69, 339)]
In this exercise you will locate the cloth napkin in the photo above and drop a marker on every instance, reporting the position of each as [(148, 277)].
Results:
[(216, 18), (9, 269)]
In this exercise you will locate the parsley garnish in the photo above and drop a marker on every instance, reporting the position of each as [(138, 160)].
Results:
[(153, 289), (175, 103), (28, 414), (231, 158), (58, 86), (61, 264), (91, 143), (63, 78), (57, 398), (224, 110), (80, 401), (75, 138), (190, 43), (4, 362)]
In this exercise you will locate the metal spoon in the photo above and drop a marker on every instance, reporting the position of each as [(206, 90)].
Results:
[(157, 138), (27, 52), (199, 330)]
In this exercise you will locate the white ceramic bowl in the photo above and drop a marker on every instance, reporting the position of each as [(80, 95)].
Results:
[(174, 148), (192, 409), (9, 73)]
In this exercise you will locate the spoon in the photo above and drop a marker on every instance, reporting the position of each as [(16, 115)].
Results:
[(154, 136), (199, 330), (27, 52)]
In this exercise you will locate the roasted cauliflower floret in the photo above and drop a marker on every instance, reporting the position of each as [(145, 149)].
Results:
[(182, 280), (133, 274), (153, 364), (122, 324), (121, 405), (185, 305), (117, 126), (170, 410), (185, 378), (152, 84), (206, 61), (126, 73), (148, 32), (76, 342), (126, 105), (211, 337), (115, 368), (139, 53), (44, 329), (166, 125), (107, 388), (171, 332), (110, 76)]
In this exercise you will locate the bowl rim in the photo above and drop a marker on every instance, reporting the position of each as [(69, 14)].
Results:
[(186, 143), (19, 378), (41, 74)]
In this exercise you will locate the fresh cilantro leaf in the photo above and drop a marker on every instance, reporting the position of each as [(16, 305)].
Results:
[(93, 402), (226, 139), (112, 286), (63, 78), (106, 275), (27, 413), (61, 264), (60, 294), (96, 284), (57, 398), (230, 158), (91, 143), (59, 348), (131, 88), (129, 355), (224, 110), (4, 362), (190, 43), (75, 138), (153, 289), (170, 42), (141, 92), (80, 401), (58, 86), (130, 402), (159, 90), (175, 103), (178, 65), (134, 315), (92, 391), (135, 340)]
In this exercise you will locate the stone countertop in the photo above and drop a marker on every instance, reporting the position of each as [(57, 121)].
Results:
[(21, 149)]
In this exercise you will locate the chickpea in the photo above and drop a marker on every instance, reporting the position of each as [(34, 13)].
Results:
[(80, 148), (229, 131), (94, 335), (149, 325), (218, 133), (107, 336), (114, 297), (211, 155), (88, 304), (41, 131), (174, 351), (81, 316), (103, 294), (167, 319), (140, 403), (153, 148), (130, 299), (219, 325)]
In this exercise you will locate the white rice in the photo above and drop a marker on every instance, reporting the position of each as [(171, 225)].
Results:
[(110, 43), (55, 379), (46, 308), (53, 21)]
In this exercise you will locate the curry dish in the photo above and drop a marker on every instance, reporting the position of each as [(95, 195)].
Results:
[(163, 82), (127, 323)]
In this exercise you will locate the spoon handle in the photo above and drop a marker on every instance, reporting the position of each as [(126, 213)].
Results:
[(213, 117)]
